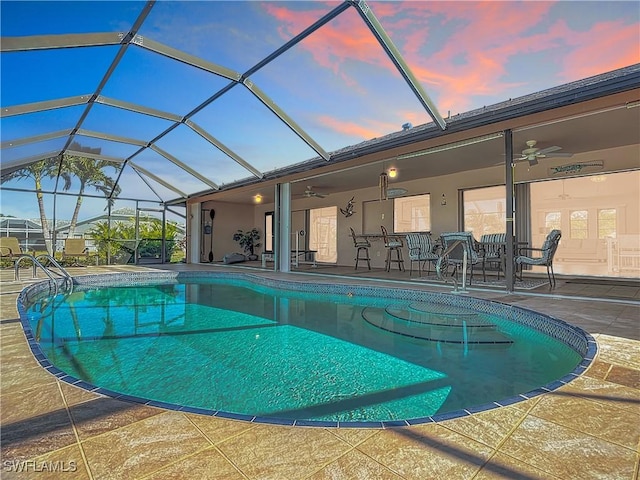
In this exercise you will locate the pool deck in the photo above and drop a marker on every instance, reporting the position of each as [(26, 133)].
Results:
[(587, 429)]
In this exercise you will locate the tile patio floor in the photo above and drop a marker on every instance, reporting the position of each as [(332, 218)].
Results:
[(589, 429)]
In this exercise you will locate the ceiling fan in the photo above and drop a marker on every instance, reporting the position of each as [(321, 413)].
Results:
[(310, 193), (532, 153)]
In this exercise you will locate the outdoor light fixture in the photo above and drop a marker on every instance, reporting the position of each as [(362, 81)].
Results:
[(393, 173), (258, 198)]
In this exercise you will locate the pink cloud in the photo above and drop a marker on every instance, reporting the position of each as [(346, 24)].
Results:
[(485, 36), (592, 51), (461, 51), (370, 128)]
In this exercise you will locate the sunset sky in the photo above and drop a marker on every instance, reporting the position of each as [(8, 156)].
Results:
[(337, 84)]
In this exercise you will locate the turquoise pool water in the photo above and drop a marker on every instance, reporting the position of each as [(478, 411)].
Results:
[(229, 345)]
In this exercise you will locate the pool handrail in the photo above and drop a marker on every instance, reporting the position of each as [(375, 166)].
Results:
[(442, 260), (48, 272)]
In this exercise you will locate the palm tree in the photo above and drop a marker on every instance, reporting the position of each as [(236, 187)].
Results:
[(89, 173), (38, 171)]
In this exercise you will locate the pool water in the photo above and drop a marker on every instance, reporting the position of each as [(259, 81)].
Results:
[(236, 347)]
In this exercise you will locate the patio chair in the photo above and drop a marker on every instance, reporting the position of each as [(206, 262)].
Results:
[(544, 255), (75, 248), (361, 244), (10, 250), (492, 252), (456, 256), (392, 243), (421, 250)]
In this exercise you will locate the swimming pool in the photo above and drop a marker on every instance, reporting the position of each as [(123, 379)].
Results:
[(252, 348)]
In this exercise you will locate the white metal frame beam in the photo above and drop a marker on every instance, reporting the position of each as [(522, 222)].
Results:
[(157, 179), (396, 57), (36, 138), (68, 40), (46, 105), (187, 58), (223, 148), (286, 119), (184, 167), (132, 107)]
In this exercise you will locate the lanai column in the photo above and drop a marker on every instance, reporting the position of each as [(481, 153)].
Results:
[(282, 247), (509, 267)]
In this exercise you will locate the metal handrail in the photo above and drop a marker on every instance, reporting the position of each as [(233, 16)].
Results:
[(49, 273), (62, 272), (442, 259)]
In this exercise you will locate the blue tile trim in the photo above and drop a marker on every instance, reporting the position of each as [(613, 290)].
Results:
[(85, 385), (510, 400), (449, 415), (165, 405), (360, 425), (536, 392), (576, 338), (69, 379), (316, 423), (420, 421), (483, 408), (132, 399), (106, 392), (199, 411), (274, 421), (235, 416), (394, 423)]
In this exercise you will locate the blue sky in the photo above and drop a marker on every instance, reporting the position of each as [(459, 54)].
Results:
[(337, 84)]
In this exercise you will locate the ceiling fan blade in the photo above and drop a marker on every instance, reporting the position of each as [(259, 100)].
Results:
[(544, 151), (565, 155)]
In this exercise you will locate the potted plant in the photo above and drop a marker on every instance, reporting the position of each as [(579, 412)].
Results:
[(248, 241)]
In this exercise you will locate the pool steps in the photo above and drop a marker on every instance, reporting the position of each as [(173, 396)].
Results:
[(445, 325)]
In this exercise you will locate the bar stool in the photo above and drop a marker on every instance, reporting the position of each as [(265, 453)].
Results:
[(392, 244), (362, 245)]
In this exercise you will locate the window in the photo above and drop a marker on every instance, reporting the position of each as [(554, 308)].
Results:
[(412, 214), (323, 233), (596, 214), (552, 220), (607, 223), (579, 225), (485, 210), (268, 232)]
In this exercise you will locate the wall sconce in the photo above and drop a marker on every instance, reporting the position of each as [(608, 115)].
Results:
[(258, 198), (393, 173), (443, 202)]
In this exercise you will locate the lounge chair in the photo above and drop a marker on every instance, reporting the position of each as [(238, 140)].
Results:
[(11, 250), (75, 248)]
